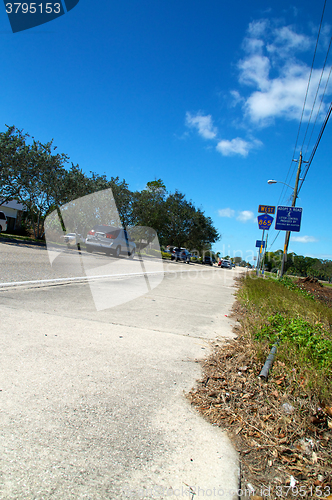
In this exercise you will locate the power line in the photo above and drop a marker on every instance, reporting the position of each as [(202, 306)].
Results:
[(328, 114), (306, 95), (320, 105), (318, 86)]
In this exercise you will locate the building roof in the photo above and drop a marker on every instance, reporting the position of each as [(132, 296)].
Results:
[(13, 204)]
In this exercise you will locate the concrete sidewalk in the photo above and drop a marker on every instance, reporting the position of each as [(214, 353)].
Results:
[(93, 404)]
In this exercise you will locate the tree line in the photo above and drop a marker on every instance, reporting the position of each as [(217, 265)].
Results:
[(299, 265), (36, 175)]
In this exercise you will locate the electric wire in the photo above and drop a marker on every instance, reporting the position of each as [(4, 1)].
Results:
[(320, 105), (305, 99), (328, 114), (271, 244), (314, 103), (309, 121)]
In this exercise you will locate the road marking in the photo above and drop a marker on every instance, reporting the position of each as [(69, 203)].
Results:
[(87, 278)]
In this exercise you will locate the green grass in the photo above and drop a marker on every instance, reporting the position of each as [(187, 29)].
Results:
[(278, 309), (16, 237)]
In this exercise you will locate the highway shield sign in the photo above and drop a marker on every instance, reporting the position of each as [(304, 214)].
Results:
[(264, 221)]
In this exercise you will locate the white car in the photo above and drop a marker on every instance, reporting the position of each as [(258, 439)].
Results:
[(225, 263), (3, 222), (111, 240), (73, 239)]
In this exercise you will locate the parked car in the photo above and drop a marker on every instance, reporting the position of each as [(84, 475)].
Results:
[(3, 222), (225, 263), (73, 239), (207, 259), (182, 254), (111, 240)]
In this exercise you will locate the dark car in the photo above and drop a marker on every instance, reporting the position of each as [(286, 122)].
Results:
[(207, 260), (181, 254)]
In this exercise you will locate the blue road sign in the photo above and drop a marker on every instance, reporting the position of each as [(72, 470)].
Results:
[(264, 221), (288, 219), (260, 243)]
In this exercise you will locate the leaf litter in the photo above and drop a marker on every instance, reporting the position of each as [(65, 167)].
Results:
[(283, 434)]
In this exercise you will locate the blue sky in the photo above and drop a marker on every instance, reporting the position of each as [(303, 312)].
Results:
[(206, 96)]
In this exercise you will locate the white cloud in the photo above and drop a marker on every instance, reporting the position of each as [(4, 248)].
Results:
[(226, 212), (282, 96), (258, 28), (203, 124), (246, 216), (242, 216), (304, 239), (254, 71), (205, 128), (236, 147), (278, 79), (237, 99), (286, 41)]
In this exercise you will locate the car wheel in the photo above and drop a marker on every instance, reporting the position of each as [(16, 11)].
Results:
[(89, 249), (117, 252)]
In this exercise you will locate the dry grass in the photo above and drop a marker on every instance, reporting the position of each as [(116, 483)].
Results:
[(280, 428)]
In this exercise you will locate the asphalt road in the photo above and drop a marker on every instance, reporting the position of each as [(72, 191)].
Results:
[(92, 402)]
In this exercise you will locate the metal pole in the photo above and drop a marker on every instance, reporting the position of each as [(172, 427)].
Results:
[(284, 257), (263, 264), (257, 266), (260, 250)]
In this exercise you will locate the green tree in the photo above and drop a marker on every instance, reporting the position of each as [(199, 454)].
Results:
[(30, 173)]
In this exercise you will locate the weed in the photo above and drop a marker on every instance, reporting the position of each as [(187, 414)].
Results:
[(279, 309)]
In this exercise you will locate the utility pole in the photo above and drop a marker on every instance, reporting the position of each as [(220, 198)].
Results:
[(284, 257)]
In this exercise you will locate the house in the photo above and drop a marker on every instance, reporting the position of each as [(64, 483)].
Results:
[(14, 212)]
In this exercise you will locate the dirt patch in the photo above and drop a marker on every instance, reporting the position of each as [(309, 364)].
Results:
[(316, 289), (283, 435)]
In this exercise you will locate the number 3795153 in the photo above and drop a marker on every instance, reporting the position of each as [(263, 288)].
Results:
[(33, 8)]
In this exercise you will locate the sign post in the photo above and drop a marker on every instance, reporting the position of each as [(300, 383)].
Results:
[(264, 223)]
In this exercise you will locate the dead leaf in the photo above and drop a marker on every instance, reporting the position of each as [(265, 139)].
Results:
[(280, 380)]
